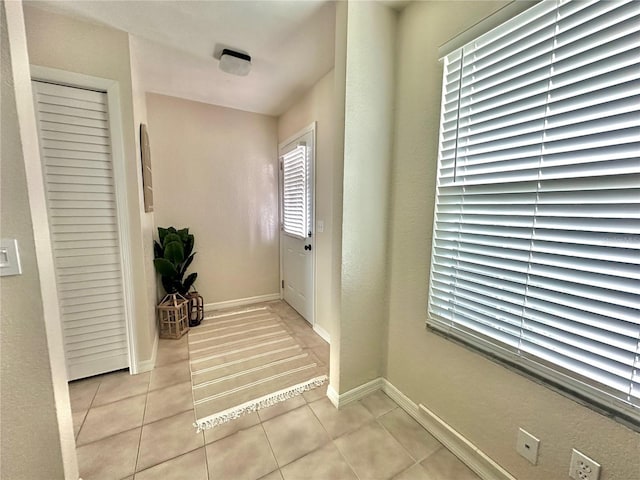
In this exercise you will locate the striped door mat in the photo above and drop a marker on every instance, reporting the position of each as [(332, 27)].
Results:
[(246, 360)]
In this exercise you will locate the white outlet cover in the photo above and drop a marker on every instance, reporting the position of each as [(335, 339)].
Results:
[(583, 467), (527, 445)]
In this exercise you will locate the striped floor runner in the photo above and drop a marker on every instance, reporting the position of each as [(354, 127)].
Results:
[(246, 360)]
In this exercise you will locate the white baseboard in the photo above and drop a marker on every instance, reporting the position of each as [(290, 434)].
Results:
[(148, 365), (333, 396), (400, 398), (354, 394), (323, 333), (456, 443), (241, 302), (462, 448)]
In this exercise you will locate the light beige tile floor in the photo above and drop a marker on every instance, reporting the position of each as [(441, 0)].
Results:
[(140, 428)]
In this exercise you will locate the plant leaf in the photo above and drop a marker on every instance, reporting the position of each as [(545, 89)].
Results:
[(158, 251), (188, 245), (174, 252), (171, 237), (170, 285), (183, 233), (165, 268), (186, 264), (188, 282), (162, 233)]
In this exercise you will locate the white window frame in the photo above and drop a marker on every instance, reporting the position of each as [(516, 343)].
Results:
[(453, 174), (296, 168)]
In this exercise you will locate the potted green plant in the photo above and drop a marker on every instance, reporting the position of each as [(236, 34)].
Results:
[(173, 255)]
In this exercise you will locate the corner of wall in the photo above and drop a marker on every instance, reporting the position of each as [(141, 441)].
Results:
[(368, 140), (33, 363), (339, 90), (146, 326)]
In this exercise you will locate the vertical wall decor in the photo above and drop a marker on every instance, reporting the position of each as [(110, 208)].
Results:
[(145, 154)]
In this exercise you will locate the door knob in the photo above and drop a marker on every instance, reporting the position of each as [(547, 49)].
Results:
[(307, 247)]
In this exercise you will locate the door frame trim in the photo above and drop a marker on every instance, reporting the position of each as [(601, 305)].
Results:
[(311, 128), (112, 89)]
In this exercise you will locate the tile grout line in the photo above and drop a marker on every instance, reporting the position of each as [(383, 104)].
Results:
[(264, 430), (375, 420), (309, 452), (273, 454), (164, 418), (333, 441), (403, 471), (294, 333), (170, 459), (84, 419), (395, 438), (118, 400), (416, 462), (144, 413), (346, 461), (306, 404), (107, 437)]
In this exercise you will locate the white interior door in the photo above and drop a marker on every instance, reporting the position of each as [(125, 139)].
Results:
[(297, 235), (75, 147)]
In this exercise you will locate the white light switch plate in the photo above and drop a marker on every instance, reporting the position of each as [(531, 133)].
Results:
[(9, 257), (320, 226), (527, 446)]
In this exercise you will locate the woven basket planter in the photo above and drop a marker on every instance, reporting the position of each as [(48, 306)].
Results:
[(173, 315)]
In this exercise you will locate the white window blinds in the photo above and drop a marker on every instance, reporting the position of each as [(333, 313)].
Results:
[(296, 207), (536, 251)]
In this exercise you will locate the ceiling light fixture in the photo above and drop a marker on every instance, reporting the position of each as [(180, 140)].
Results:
[(235, 63)]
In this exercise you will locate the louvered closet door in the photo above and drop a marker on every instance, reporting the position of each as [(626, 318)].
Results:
[(76, 154)]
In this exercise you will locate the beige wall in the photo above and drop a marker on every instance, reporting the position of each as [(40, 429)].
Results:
[(37, 436), (368, 132), (215, 171), (482, 400), (60, 42), (147, 221), (318, 105)]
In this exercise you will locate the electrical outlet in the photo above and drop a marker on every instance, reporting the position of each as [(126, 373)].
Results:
[(527, 446), (582, 467)]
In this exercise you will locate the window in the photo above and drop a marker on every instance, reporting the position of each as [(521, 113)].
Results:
[(536, 250), (296, 200)]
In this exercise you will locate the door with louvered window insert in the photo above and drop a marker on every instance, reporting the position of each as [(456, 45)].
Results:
[(75, 148), (297, 240)]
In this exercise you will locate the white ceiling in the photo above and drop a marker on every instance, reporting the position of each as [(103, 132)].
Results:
[(291, 43)]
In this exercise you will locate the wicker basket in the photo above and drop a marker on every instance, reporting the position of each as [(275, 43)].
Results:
[(173, 314), (196, 308)]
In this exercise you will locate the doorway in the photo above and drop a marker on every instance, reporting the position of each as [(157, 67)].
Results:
[(297, 205), (85, 212)]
